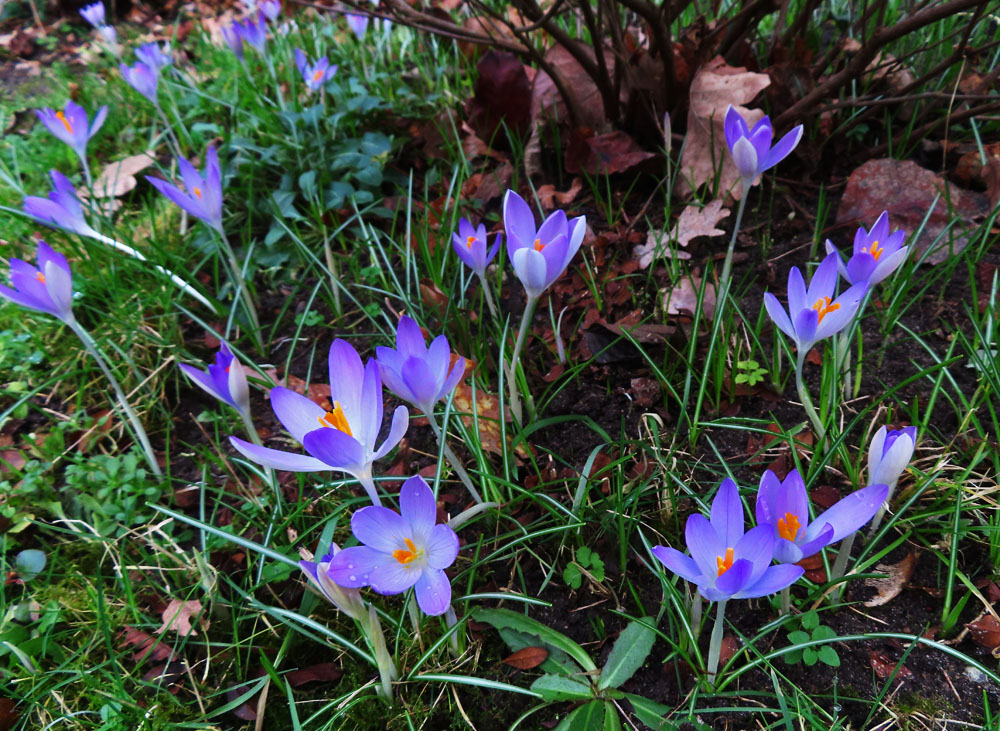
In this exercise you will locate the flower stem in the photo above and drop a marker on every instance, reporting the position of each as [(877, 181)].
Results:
[(369, 484), (140, 432), (840, 565), (786, 600), (272, 480), (807, 403), (386, 667), (451, 456), (522, 334), (715, 644), (489, 298), (244, 291), (877, 520), (727, 265)]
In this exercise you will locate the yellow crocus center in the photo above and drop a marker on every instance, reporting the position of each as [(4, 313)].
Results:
[(40, 277), (62, 118), (788, 527), (317, 76), (539, 245), (470, 241), (335, 418), (875, 250), (824, 307), (725, 562), (405, 555), (197, 191)]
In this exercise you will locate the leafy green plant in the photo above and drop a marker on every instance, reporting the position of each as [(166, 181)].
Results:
[(588, 563), (111, 491), (750, 372), (810, 630)]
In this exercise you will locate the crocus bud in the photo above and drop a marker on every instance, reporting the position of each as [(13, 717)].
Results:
[(889, 454)]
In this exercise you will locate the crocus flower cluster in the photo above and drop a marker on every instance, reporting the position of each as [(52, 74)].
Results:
[(143, 78), (471, 247), (95, 15), (728, 563), (72, 126), (253, 31), (315, 75)]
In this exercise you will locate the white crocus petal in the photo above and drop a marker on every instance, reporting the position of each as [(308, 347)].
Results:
[(238, 388), (745, 157)]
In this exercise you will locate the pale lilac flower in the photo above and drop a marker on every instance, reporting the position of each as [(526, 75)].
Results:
[(813, 313), (401, 550), (890, 453), (154, 56), (47, 288), (94, 14), (254, 31), (419, 374), (271, 8), (233, 37), (751, 148), (72, 126), (877, 253), (726, 563), (342, 438), (315, 75), (539, 256), (61, 209), (471, 246), (347, 600), (784, 506), (202, 196), (226, 380), (143, 79), (110, 37), (357, 23)]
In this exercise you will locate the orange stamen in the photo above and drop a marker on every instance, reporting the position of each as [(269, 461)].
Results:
[(875, 251), (197, 191), (788, 527), (539, 245), (335, 418), (470, 241), (317, 76), (824, 307), (62, 118), (403, 555), (40, 277), (725, 562)]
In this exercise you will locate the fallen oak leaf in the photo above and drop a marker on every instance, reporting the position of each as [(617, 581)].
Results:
[(177, 616), (693, 222)]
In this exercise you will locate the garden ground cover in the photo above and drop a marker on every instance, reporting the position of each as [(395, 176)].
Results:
[(634, 431)]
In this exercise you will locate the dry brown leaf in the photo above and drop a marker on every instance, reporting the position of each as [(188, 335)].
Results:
[(527, 658), (546, 101), (884, 666), (713, 89), (177, 616), (898, 576), (488, 414), (683, 298), (693, 222), (118, 178), (986, 631), (550, 198)]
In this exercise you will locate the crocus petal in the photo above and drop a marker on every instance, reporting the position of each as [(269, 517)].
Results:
[(400, 422), (409, 338), (553, 226), (370, 422), (796, 291), (420, 382), (727, 513), (861, 267), (745, 157), (347, 376), (824, 280), (705, 544), (276, 459), (778, 315), (25, 300), (851, 512), (336, 448), (808, 548), (441, 547), (380, 528), (433, 592), (888, 264), (787, 552), (518, 222), (298, 414), (735, 578), (880, 230), (837, 320), (681, 564), (735, 127), (757, 547), (531, 269), (203, 381), (393, 577), (774, 579), (418, 507), (841, 266), (353, 567), (783, 149)]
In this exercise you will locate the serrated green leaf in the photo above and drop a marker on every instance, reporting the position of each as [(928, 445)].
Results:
[(651, 713), (809, 620), (628, 654), (562, 688), (506, 618), (829, 656)]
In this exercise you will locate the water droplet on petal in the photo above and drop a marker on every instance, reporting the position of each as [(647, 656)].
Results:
[(352, 577)]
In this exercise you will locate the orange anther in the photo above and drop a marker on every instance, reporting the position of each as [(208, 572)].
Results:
[(788, 527), (824, 307), (725, 562), (403, 555)]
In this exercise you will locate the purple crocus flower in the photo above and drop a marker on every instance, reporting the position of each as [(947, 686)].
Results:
[(233, 37), (539, 256), (72, 126), (61, 209), (143, 78), (890, 453), (271, 8), (419, 374), (342, 438), (254, 32), (346, 600), (47, 288), (110, 37), (813, 313), (154, 56), (94, 14), (314, 74), (401, 550), (358, 24), (877, 253), (784, 506), (226, 380), (726, 563), (470, 245), (202, 196), (751, 148)]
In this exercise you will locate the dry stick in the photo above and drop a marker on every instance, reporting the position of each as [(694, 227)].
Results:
[(827, 89)]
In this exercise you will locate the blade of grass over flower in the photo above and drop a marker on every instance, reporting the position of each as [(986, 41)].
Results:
[(479, 682)]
